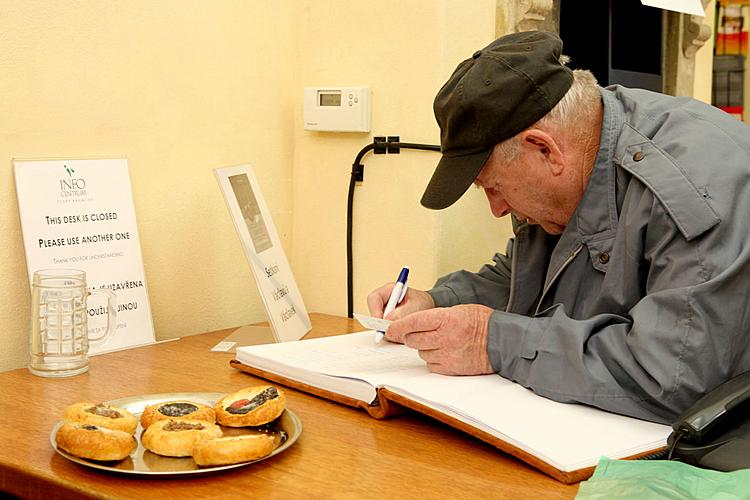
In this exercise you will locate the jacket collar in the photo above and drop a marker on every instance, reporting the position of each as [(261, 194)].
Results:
[(596, 215)]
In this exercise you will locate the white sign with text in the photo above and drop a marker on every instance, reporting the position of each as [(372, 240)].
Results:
[(260, 241), (79, 214)]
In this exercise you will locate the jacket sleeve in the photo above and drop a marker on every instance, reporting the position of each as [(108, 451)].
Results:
[(687, 334), (490, 286)]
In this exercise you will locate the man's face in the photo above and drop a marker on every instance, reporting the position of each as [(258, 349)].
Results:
[(525, 188)]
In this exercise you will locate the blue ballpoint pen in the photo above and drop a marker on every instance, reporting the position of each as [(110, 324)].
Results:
[(397, 295)]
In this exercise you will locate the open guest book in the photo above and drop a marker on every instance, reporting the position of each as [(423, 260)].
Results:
[(563, 440)]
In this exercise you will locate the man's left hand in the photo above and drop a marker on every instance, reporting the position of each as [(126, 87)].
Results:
[(452, 340)]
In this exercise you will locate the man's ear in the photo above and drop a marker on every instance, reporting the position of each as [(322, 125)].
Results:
[(543, 144)]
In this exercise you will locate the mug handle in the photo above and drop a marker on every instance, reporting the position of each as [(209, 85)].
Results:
[(111, 316)]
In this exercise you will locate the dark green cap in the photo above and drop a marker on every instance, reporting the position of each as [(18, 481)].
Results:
[(502, 90)]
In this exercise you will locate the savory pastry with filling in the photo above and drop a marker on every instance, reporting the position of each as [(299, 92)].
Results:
[(177, 438), (101, 415), (177, 410), (252, 406), (94, 442)]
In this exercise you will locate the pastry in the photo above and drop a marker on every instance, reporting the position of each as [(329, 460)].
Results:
[(101, 415), (176, 438), (256, 405), (177, 410), (94, 442), (232, 449)]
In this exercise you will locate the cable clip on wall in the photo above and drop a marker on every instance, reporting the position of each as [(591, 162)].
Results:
[(380, 145)]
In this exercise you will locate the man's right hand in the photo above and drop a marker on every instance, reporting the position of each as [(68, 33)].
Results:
[(414, 300)]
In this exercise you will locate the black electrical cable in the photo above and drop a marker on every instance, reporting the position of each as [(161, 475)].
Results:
[(411, 145), (356, 174), (357, 170), (680, 435)]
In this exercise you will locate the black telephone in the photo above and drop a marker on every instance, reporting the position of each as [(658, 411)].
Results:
[(714, 433)]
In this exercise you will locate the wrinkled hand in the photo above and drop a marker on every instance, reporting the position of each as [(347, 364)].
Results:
[(414, 300), (452, 340)]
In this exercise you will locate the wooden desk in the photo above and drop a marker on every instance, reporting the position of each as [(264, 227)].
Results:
[(342, 452)]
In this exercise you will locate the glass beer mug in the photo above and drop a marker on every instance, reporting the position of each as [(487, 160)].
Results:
[(60, 339)]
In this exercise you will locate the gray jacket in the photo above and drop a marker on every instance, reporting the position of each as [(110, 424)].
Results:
[(642, 304)]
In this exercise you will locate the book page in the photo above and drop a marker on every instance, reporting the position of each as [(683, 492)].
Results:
[(351, 365), (357, 355), (567, 436)]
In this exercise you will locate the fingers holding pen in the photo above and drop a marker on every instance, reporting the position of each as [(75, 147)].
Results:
[(414, 300), (378, 298)]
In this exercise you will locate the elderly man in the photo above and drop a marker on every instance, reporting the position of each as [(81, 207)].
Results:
[(626, 285)]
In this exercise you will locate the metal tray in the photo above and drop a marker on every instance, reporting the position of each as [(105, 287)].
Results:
[(286, 429)]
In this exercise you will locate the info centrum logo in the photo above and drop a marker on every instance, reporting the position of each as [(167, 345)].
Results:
[(72, 186)]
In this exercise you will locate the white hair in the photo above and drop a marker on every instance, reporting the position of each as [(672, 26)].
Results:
[(571, 113)]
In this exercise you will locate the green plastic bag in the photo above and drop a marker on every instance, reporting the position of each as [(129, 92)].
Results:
[(647, 479)]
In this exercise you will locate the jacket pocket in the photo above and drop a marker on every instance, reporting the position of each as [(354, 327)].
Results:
[(600, 253)]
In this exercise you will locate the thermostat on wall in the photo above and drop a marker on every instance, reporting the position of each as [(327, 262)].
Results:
[(337, 109)]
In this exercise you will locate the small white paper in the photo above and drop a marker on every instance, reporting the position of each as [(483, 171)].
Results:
[(378, 324), (223, 346), (693, 7)]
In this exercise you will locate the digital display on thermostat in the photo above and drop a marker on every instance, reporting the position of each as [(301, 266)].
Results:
[(330, 99)]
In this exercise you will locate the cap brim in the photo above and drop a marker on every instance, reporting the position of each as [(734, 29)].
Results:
[(451, 179)]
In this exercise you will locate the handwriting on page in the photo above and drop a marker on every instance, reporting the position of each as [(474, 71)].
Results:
[(377, 359), (362, 360)]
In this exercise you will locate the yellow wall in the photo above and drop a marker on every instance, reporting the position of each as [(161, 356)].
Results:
[(182, 87), (404, 51), (179, 87)]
